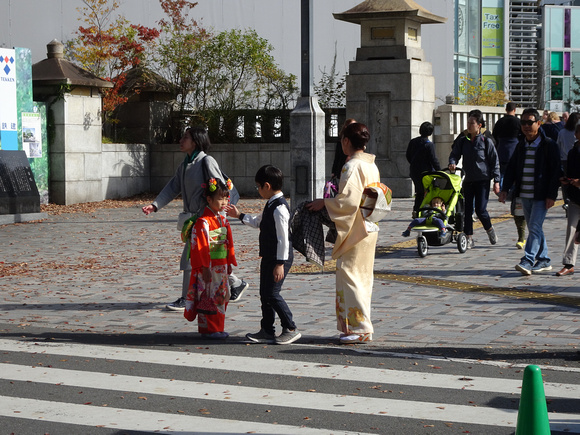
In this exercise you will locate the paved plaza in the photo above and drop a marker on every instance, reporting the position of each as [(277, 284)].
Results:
[(111, 271)]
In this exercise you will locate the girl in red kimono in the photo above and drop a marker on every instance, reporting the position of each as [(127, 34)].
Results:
[(212, 256)]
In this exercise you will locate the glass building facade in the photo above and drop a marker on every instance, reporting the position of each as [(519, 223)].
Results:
[(479, 43), (561, 56)]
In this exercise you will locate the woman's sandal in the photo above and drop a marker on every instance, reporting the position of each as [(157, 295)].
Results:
[(356, 338)]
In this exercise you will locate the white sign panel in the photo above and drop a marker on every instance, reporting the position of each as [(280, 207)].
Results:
[(8, 112), (32, 134)]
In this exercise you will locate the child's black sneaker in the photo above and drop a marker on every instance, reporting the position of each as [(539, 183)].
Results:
[(237, 292), (406, 233), (178, 305), (261, 337)]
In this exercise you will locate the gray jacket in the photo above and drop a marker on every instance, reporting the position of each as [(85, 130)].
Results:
[(187, 181)]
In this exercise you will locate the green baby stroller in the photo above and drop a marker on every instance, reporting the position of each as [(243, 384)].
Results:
[(446, 186)]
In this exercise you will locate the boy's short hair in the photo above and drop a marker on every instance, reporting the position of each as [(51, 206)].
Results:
[(426, 129), (270, 174), (439, 199), (478, 115), (510, 107)]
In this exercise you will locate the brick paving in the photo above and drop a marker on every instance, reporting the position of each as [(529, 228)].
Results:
[(113, 270)]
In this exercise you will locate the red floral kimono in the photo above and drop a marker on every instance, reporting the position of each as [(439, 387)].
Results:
[(211, 246)]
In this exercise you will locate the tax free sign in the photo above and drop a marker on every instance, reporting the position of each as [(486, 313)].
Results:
[(492, 32), (8, 109)]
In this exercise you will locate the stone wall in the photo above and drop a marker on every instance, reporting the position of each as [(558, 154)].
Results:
[(126, 170), (130, 169), (451, 119)]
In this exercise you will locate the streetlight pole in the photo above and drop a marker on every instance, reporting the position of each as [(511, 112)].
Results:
[(307, 124), (305, 46)]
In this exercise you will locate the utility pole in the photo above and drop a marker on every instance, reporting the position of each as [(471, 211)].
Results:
[(307, 124)]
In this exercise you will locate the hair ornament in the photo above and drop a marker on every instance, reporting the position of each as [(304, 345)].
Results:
[(212, 184), (229, 184)]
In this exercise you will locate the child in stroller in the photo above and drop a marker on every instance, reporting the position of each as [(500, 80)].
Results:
[(440, 219), (435, 216)]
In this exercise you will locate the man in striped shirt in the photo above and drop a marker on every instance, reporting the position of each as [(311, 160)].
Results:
[(535, 169)]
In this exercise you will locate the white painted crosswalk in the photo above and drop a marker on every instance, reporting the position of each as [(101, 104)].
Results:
[(131, 419), (128, 419)]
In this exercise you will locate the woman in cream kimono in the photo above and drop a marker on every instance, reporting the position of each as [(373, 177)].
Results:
[(354, 248)]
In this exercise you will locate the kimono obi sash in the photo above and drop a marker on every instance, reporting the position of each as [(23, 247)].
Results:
[(217, 244)]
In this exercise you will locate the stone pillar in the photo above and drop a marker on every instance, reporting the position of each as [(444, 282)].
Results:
[(74, 127), (75, 151), (307, 148), (390, 87)]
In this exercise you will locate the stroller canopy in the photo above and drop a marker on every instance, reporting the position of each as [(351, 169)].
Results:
[(443, 185)]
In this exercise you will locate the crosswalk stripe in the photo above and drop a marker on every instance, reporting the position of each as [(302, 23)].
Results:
[(266, 396), (275, 397), (128, 419), (292, 368)]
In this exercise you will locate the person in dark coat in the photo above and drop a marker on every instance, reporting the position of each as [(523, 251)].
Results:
[(480, 165), (535, 171), (552, 126), (572, 181), (506, 132), (421, 157)]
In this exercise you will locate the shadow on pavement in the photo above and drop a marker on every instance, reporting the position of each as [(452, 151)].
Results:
[(319, 346)]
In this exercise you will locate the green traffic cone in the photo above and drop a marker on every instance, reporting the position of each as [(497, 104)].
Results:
[(533, 411)]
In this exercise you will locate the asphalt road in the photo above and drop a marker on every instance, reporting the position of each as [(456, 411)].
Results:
[(88, 348)]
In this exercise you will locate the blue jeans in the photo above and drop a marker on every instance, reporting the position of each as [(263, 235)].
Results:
[(536, 246), (272, 301), (476, 193)]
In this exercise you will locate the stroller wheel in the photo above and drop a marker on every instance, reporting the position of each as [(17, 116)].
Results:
[(422, 247), (462, 243)]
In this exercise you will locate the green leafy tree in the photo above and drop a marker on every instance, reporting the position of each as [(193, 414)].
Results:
[(181, 42), (476, 94), (108, 46), (237, 71)]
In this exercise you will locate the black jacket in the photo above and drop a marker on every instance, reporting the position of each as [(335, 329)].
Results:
[(573, 171), (421, 157), (552, 129), (546, 173), (506, 132), (480, 161)]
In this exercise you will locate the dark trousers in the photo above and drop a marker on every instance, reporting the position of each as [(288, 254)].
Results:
[(272, 301), (476, 193), (419, 193)]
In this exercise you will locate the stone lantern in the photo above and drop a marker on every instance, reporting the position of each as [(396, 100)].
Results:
[(73, 100), (390, 87)]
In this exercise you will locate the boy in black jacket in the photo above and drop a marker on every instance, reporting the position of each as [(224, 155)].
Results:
[(276, 253)]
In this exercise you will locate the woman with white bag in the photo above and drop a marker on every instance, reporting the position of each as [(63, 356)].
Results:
[(355, 245)]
